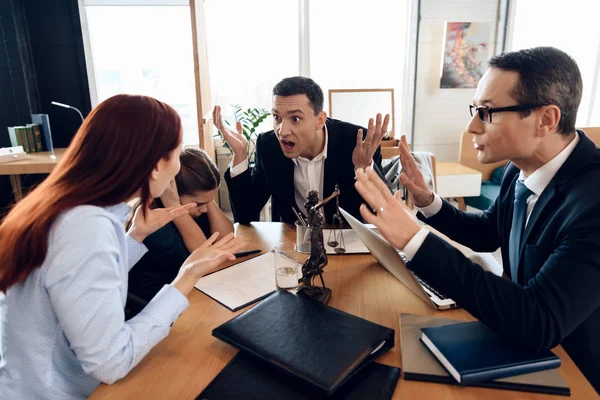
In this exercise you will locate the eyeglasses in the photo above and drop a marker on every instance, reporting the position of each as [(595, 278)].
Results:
[(485, 112)]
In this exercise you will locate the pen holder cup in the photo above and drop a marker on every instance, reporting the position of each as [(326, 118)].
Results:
[(302, 238)]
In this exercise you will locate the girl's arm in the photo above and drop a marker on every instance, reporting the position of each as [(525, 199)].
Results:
[(189, 230), (218, 220)]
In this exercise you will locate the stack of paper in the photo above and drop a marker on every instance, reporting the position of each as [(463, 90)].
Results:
[(241, 284)]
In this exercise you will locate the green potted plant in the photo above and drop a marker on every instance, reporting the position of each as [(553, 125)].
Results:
[(250, 118)]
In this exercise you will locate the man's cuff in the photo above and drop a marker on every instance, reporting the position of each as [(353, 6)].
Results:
[(415, 243), (372, 165), (238, 169), (433, 208)]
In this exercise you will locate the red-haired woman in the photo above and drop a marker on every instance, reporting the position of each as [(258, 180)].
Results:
[(64, 256)]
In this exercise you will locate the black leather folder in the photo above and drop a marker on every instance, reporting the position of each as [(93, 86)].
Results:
[(317, 344), (247, 377)]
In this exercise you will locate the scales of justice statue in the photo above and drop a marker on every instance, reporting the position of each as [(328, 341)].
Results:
[(313, 267)]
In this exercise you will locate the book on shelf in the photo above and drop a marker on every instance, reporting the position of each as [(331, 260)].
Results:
[(22, 139), (28, 136), (46, 135), (12, 135), (37, 137)]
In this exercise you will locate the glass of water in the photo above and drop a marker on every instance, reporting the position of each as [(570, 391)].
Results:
[(286, 266)]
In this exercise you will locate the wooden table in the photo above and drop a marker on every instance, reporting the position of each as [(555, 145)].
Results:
[(455, 180), (184, 363), (35, 163)]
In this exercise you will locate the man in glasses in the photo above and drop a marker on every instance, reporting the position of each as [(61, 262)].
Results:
[(545, 219)]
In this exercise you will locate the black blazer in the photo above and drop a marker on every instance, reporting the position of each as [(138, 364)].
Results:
[(557, 300), (273, 176)]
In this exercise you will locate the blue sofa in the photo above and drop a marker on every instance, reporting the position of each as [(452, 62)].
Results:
[(489, 191)]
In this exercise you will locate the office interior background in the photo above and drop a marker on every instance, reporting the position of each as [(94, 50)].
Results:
[(194, 54)]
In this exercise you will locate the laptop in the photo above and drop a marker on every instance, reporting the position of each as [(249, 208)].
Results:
[(391, 260)]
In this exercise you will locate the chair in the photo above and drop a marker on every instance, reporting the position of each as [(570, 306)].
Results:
[(593, 132), (467, 156), (389, 149)]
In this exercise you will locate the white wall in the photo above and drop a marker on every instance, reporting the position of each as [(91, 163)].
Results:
[(441, 115)]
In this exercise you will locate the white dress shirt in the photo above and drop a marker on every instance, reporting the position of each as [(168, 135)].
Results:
[(536, 182), (308, 174)]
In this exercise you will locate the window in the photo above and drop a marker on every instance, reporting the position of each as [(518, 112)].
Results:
[(341, 44), (555, 23), (251, 45), (359, 45), (145, 47), (141, 49)]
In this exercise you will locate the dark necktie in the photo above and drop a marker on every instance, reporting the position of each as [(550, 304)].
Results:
[(518, 226)]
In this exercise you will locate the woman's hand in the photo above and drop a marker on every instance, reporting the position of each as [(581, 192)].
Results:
[(154, 219), (206, 259), (220, 251), (228, 243)]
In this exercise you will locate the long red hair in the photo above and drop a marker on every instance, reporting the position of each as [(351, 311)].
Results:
[(109, 160)]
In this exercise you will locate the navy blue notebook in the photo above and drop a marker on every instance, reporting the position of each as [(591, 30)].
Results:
[(471, 352)]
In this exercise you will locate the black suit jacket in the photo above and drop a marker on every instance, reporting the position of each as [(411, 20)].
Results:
[(273, 176), (557, 299)]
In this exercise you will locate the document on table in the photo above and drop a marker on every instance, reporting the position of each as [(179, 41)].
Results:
[(352, 242), (241, 284)]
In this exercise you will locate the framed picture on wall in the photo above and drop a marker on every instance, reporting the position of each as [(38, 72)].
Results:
[(467, 48), (359, 105)]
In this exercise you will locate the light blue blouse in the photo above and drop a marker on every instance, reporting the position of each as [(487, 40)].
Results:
[(64, 329)]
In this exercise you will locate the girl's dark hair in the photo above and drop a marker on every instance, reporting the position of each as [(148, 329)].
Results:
[(198, 173)]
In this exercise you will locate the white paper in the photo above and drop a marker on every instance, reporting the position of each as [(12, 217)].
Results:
[(378, 347), (352, 242), (11, 150), (241, 283)]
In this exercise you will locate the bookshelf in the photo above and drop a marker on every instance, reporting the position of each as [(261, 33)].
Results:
[(35, 163)]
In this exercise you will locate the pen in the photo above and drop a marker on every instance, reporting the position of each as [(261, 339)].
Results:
[(246, 253), (299, 216)]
